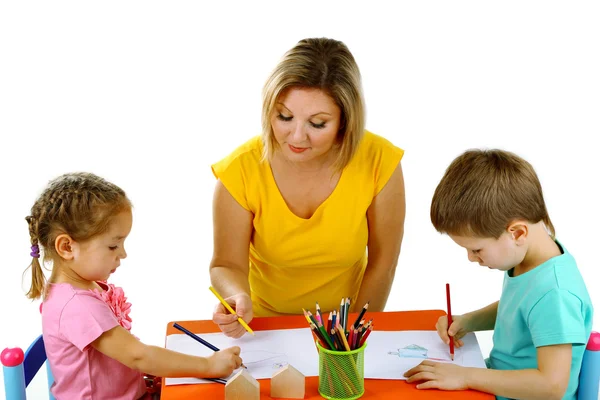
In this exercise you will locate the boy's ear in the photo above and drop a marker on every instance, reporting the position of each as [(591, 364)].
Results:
[(519, 231), (64, 246)]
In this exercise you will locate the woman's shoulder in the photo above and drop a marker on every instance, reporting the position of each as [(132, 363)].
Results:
[(251, 150), (372, 142), (375, 149)]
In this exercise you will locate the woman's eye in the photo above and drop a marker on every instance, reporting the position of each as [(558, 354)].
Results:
[(318, 126), (282, 117)]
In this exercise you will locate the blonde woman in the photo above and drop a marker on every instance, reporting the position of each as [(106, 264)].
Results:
[(297, 209)]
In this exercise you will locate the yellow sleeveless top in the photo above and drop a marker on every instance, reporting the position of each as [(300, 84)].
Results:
[(295, 262)]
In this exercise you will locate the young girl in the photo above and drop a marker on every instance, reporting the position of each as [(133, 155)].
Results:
[(81, 222)]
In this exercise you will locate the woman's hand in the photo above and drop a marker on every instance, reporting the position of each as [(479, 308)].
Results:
[(222, 363), (228, 323), (457, 330)]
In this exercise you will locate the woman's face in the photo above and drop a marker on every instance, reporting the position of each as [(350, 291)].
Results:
[(305, 123)]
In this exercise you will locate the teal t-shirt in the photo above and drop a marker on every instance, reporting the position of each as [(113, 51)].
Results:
[(548, 305)]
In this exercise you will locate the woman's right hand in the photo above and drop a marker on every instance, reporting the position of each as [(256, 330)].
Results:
[(222, 363), (457, 330), (228, 323)]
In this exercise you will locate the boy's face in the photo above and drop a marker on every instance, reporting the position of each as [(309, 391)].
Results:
[(502, 253)]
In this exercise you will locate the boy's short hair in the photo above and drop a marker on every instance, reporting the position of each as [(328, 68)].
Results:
[(484, 191)]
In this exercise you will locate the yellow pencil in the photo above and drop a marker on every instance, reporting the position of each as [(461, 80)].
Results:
[(228, 307)]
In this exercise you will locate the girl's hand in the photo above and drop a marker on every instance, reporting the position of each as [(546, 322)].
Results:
[(457, 330), (436, 375), (222, 363), (228, 323)]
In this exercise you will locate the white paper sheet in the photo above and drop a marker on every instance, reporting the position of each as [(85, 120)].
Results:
[(263, 354), (388, 354)]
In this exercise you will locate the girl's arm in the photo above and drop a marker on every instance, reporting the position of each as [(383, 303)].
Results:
[(385, 217), (548, 382), (119, 344)]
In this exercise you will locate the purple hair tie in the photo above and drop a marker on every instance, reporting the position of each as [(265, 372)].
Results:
[(35, 251)]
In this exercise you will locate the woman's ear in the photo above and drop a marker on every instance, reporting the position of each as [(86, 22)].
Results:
[(64, 246), (518, 231)]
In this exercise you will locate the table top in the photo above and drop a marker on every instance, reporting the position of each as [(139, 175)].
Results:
[(374, 388)]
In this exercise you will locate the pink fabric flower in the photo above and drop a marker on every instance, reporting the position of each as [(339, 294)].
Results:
[(116, 300)]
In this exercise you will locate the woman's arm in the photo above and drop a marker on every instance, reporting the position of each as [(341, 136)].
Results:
[(232, 228), (385, 217), (549, 381)]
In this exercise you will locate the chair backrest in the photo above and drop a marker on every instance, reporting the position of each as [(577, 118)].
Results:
[(19, 369), (590, 370)]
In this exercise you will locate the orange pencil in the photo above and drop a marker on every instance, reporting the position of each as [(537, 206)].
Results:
[(449, 320)]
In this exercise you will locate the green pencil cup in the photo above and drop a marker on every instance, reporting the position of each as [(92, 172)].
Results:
[(341, 373)]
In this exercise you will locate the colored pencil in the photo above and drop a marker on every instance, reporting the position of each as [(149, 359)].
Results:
[(362, 314), (228, 307), (449, 320), (318, 312), (198, 339)]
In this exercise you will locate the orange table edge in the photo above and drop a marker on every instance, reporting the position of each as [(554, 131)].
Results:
[(374, 388)]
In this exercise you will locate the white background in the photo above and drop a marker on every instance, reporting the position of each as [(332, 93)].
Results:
[(149, 94)]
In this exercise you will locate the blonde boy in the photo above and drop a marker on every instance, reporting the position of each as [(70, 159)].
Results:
[(491, 203)]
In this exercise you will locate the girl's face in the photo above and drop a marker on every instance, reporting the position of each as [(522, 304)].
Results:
[(305, 123), (97, 258)]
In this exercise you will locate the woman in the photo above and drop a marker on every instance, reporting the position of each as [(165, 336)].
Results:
[(296, 209)]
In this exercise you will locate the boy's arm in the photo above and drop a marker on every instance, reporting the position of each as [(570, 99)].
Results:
[(548, 382), (122, 346), (483, 319)]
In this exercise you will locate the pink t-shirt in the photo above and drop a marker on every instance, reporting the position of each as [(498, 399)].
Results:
[(72, 319)]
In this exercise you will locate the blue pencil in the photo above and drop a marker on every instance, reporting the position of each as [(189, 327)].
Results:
[(197, 338)]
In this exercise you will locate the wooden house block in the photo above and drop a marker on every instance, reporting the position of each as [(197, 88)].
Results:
[(242, 386), (288, 383)]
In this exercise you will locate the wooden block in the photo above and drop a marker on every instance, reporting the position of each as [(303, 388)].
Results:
[(288, 383), (242, 386)]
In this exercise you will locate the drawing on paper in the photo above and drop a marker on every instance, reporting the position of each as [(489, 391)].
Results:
[(416, 351), (257, 358)]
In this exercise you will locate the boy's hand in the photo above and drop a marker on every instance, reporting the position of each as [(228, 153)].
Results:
[(457, 330), (228, 323), (436, 375), (222, 363)]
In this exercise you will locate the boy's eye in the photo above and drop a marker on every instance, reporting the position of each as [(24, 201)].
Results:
[(113, 247), (283, 117)]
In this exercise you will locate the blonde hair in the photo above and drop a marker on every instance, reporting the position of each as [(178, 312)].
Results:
[(324, 64), (80, 205), (484, 191)]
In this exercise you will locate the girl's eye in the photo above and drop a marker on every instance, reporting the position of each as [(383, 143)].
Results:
[(281, 117), (318, 126), (113, 247), (475, 251)]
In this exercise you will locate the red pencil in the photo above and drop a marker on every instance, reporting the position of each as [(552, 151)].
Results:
[(449, 320)]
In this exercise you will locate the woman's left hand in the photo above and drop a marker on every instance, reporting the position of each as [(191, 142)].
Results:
[(437, 375)]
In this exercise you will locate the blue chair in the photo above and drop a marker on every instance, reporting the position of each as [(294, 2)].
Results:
[(19, 369)]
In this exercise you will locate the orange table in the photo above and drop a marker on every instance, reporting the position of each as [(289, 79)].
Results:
[(374, 388)]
